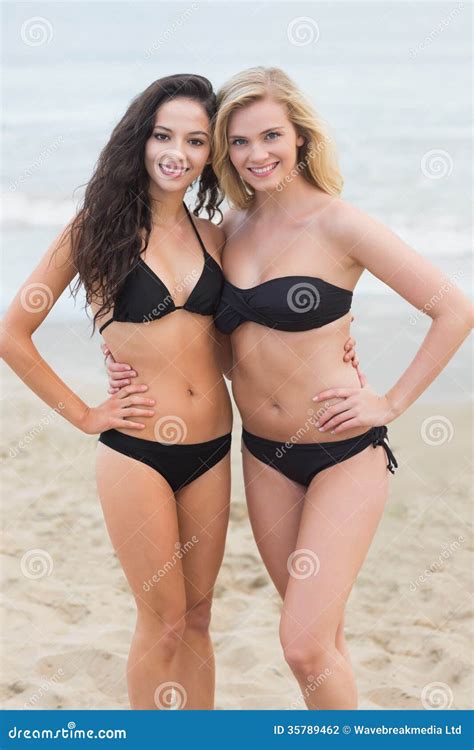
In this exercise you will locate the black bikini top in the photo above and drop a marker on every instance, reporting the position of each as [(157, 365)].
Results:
[(144, 297), (288, 303)]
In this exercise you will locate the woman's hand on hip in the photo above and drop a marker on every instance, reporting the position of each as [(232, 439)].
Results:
[(358, 407), (117, 411), (119, 373), (350, 355)]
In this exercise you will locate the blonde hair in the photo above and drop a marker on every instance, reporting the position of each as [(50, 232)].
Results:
[(317, 160)]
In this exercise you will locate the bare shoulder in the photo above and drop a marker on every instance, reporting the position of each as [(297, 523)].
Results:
[(343, 222), (212, 235), (58, 259), (234, 220)]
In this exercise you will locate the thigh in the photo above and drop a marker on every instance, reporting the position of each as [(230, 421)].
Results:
[(140, 514), (203, 517), (274, 504), (342, 509)]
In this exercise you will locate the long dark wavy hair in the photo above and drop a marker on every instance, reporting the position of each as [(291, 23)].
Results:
[(106, 233)]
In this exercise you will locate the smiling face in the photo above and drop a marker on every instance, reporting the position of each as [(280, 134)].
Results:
[(179, 147), (263, 143)]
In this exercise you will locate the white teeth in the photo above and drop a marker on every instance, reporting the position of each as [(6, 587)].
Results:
[(263, 170), (172, 170)]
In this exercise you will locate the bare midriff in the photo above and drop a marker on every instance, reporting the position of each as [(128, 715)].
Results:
[(176, 357), (277, 373)]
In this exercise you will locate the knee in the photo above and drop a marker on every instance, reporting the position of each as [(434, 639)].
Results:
[(171, 636), (307, 655), (310, 663), (164, 627), (198, 617)]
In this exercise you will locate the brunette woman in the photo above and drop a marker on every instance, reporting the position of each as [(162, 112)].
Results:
[(152, 277)]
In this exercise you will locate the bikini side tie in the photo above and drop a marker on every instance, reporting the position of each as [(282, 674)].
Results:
[(380, 439)]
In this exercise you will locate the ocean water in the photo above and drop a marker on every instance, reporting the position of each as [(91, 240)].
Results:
[(391, 79)]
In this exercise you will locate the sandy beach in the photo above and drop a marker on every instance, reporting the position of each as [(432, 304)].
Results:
[(374, 73), (69, 614)]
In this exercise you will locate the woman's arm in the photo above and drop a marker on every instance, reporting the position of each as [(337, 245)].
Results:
[(25, 314), (375, 247)]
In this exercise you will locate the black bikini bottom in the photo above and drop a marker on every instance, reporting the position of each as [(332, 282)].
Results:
[(179, 463), (302, 461)]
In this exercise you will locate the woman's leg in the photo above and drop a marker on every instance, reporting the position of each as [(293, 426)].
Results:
[(203, 515), (342, 509), (274, 504), (140, 513)]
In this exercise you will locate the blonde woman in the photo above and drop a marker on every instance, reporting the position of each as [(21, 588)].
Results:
[(316, 471), (315, 453)]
